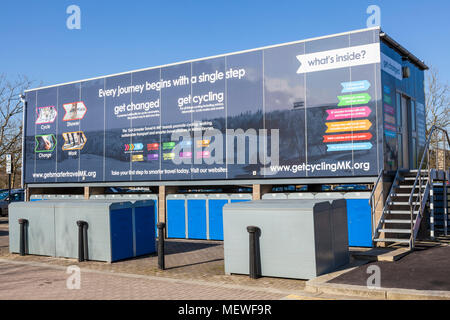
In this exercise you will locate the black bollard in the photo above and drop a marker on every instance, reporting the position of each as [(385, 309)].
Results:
[(22, 223), (161, 226), (253, 251), (85, 242), (80, 225)]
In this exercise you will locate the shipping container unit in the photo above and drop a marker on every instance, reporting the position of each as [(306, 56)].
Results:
[(298, 239), (337, 109), (274, 196), (198, 216), (116, 230), (215, 214)]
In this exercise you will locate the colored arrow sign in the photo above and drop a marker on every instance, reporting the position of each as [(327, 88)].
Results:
[(348, 137), (388, 118), (349, 146), (152, 156), (390, 127), (390, 134), (341, 126), (152, 146), (168, 145), (353, 86), (134, 147), (345, 113), (45, 143), (387, 99), (351, 99), (389, 109), (74, 111), (74, 140)]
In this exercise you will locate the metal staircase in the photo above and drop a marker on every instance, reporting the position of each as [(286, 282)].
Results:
[(439, 197), (412, 193)]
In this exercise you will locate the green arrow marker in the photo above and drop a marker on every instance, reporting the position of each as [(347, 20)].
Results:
[(351, 99), (387, 99), (168, 145)]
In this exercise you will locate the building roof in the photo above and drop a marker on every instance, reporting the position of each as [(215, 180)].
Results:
[(406, 55)]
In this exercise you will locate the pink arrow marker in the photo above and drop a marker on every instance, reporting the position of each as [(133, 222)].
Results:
[(347, 113)]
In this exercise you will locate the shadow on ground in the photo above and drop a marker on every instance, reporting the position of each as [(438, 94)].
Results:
[(425, 269), (177, 246)]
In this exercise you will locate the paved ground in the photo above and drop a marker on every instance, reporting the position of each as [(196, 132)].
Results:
[(422, 270), (195, 271), (200, 263), (27, 281)]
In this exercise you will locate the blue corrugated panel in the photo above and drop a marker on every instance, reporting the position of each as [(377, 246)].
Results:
[(145, 232), (121, 234), (176, 224), (359, 223), (197, 219), (239, 200), (216, 218)]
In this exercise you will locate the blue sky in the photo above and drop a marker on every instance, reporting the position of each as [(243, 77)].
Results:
[(118, 36)]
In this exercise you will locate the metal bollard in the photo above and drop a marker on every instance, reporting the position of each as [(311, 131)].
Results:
[(22, 223), (85, 241), (161, 226), (80, 225), (253, 251)]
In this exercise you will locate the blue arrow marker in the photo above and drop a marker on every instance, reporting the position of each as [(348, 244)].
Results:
[(386, 89), (138, 146), (185, 143), (349, 146), (355, 86), (390, 134)]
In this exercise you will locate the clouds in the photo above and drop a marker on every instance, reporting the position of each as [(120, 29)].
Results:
[(282, 93)]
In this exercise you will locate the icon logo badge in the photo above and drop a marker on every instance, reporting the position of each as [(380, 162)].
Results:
[(74, 111), (73, 140), (46, 114)]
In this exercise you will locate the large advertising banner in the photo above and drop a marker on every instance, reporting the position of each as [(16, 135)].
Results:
[(303, 109)]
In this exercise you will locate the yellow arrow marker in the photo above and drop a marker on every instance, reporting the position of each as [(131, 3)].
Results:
[(341, 126)]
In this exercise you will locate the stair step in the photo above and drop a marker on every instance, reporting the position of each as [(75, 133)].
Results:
[(414, 178), (395, 230), (409, 186), (414, 172), (402, 203), (406, 194), (398, 221), (401, 212), (391, 240)]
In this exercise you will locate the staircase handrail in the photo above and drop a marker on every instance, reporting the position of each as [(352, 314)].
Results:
[(419, 179), (388, 199), (425, 152), (372, 200)]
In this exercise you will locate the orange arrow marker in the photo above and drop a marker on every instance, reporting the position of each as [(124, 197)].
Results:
[(348, 137), (341, 126)]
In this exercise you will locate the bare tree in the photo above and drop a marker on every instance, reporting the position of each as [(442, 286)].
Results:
[(11, 109), (437, 101)]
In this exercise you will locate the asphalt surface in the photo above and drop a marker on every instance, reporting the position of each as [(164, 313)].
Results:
[(421, 270)]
